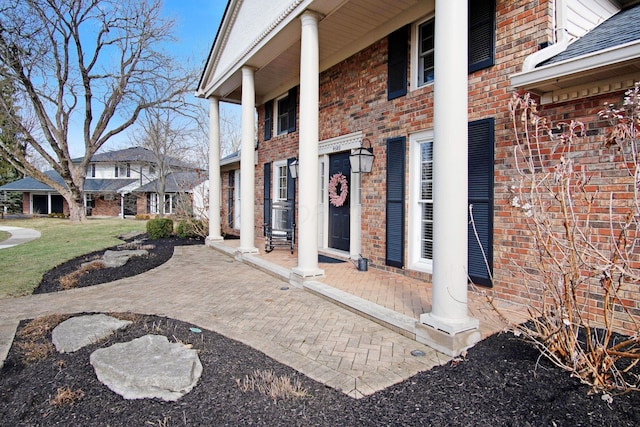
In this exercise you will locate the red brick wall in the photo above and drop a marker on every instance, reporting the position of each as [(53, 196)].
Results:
[(353, 97), (104, 207), (26, 203)]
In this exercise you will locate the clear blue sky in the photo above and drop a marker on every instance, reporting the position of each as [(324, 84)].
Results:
[(196, 25)]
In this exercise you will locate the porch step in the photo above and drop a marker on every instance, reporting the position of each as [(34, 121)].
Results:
[(397, 322)]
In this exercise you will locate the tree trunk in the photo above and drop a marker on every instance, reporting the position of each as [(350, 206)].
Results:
[(77, 212)]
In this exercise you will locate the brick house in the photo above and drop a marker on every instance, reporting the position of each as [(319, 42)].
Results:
[(329, 77), (118, 183)]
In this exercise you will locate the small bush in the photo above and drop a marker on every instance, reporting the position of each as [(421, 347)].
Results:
[(57, 215), (143, 216), (190, 228), (160, 228)]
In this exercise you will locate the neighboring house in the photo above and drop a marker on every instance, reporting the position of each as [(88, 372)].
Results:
[(328, 77), (118, 183)]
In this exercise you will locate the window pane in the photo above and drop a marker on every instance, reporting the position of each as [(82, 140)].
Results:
[(283, 115), (426, 202), (425, 54)]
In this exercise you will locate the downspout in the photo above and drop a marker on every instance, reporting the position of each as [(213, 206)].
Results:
[(561, 38)]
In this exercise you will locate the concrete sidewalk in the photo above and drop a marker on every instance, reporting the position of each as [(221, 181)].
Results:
[(18, 235), (204, 287)]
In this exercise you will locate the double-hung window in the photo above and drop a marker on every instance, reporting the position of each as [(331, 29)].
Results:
[(426, 49), (481, 42), (282, 111)]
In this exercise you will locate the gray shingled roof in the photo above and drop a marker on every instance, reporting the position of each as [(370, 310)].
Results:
[(133, 155), (621, 28), (176, 182), (31, 184), (90, 185)]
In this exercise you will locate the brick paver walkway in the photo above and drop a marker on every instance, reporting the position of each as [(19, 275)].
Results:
[(213, 291)]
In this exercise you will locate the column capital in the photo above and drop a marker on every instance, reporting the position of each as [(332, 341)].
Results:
[(248, 70), (309, 16)]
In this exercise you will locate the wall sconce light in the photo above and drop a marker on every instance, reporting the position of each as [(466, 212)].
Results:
[(361, 159), (294, 168)]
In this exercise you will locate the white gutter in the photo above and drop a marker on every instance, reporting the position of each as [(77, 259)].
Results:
[(561, 42), (602, 58)]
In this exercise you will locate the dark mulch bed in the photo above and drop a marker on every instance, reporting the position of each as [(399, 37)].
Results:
[(502, 381), (161, 252)]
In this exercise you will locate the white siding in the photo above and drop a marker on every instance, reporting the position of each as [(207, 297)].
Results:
[(584, 15), (251, 21)]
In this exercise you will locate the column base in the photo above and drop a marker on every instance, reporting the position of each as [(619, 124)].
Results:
[(449, 326), (248, 250), (299, 276), (450, 344), (209, 240)]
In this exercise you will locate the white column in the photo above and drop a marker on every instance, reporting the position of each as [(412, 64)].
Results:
[(247, 163), (214, 170), (449, 305), (308, 150)]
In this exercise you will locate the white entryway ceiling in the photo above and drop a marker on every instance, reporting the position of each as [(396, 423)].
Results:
[(345, 28)]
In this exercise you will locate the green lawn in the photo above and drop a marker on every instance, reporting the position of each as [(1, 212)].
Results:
[(4, 235), (22, 266)]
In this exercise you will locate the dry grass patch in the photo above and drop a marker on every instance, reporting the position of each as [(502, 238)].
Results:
[(65, 396), (70, 280), (38, 328), (33, 338), (127, 315), (271, 385), (33, 352)]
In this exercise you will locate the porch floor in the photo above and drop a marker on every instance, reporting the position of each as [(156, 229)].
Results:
[(391, 299)]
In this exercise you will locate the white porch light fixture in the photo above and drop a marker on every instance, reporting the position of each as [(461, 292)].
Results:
[(294, 168), (361, 159)]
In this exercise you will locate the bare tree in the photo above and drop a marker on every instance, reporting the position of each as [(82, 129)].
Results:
[(166, 134), (230, 135), (96, 64)]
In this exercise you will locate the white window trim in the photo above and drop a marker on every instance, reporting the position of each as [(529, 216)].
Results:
[(236, 201), (415, 262), (415, 34), (275, 193)]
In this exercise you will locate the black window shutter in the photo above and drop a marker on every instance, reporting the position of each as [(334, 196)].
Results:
[(230, 194), (480, 180), (395, 202), (397, 63), (291, 194), (482, 29), (293, 104), (268, 119), (267, 195)]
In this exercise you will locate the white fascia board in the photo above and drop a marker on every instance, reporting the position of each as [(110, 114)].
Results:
[(576, 65), (244, 56)]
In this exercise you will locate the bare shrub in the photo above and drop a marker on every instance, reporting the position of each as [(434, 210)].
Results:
[(271, 385), (584, 243), (70, 280), (66, 397)]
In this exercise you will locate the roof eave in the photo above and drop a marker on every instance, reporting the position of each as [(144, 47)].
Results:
[(530, 80)]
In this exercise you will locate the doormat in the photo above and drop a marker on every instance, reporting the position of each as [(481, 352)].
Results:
[(329, 260)]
